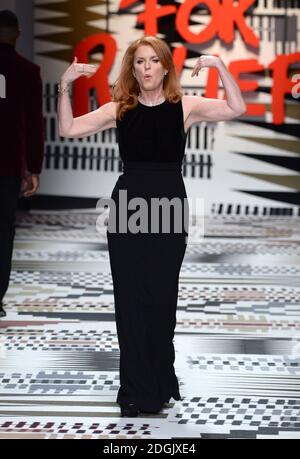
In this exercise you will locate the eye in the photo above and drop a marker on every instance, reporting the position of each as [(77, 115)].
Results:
[(154, 60)]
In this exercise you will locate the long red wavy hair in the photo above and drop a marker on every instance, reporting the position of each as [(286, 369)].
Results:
[(126, 89)]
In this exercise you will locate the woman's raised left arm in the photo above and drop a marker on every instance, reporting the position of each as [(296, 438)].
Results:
[(209, 109)]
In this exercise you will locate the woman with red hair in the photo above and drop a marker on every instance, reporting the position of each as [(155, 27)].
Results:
[(152, 117)]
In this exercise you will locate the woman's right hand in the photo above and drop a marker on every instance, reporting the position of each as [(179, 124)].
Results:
[(76, 70)]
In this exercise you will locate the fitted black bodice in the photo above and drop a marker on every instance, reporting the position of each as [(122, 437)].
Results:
[(152, 133)]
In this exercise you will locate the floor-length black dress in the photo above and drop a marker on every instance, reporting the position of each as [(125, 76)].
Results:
[(145, 266)]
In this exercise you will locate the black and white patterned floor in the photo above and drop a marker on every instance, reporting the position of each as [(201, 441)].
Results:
[(237, 337)]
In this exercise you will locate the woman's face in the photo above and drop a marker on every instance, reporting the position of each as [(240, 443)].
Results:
[(146, 62)]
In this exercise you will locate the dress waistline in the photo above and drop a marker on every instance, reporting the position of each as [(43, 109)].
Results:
[(151, 166)]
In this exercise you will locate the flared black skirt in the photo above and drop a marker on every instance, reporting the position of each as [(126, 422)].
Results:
[(145, 260)]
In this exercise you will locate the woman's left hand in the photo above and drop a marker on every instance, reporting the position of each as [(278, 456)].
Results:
[(206, 61)]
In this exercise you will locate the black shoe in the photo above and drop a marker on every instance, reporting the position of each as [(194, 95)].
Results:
[(129, 410), (2, 312)]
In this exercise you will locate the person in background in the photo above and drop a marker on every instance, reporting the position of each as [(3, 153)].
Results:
[(21, 137)]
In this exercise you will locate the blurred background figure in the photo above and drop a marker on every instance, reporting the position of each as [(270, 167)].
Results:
[(22, 137)]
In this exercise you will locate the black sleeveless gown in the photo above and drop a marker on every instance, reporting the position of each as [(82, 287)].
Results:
[(145, 266)]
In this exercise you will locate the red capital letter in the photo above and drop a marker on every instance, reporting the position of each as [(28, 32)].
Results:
[(234, 14), (183, 17), (100, 80), (247, 66)]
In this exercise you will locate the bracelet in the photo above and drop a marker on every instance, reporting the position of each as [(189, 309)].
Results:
[(63, 89)]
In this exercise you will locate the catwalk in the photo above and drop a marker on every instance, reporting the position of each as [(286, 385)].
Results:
[(237, 338)]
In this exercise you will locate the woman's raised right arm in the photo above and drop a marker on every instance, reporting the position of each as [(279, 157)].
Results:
[(85, 125)]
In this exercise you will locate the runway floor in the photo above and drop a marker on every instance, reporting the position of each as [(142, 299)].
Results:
[(237, 337)]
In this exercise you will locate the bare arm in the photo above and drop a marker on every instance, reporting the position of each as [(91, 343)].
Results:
[(85, 125), (208, 109), (64, 111)]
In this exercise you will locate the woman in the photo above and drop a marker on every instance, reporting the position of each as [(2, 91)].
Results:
[(152, 118)]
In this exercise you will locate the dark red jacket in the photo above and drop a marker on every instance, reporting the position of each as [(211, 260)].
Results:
[(22, 131)]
